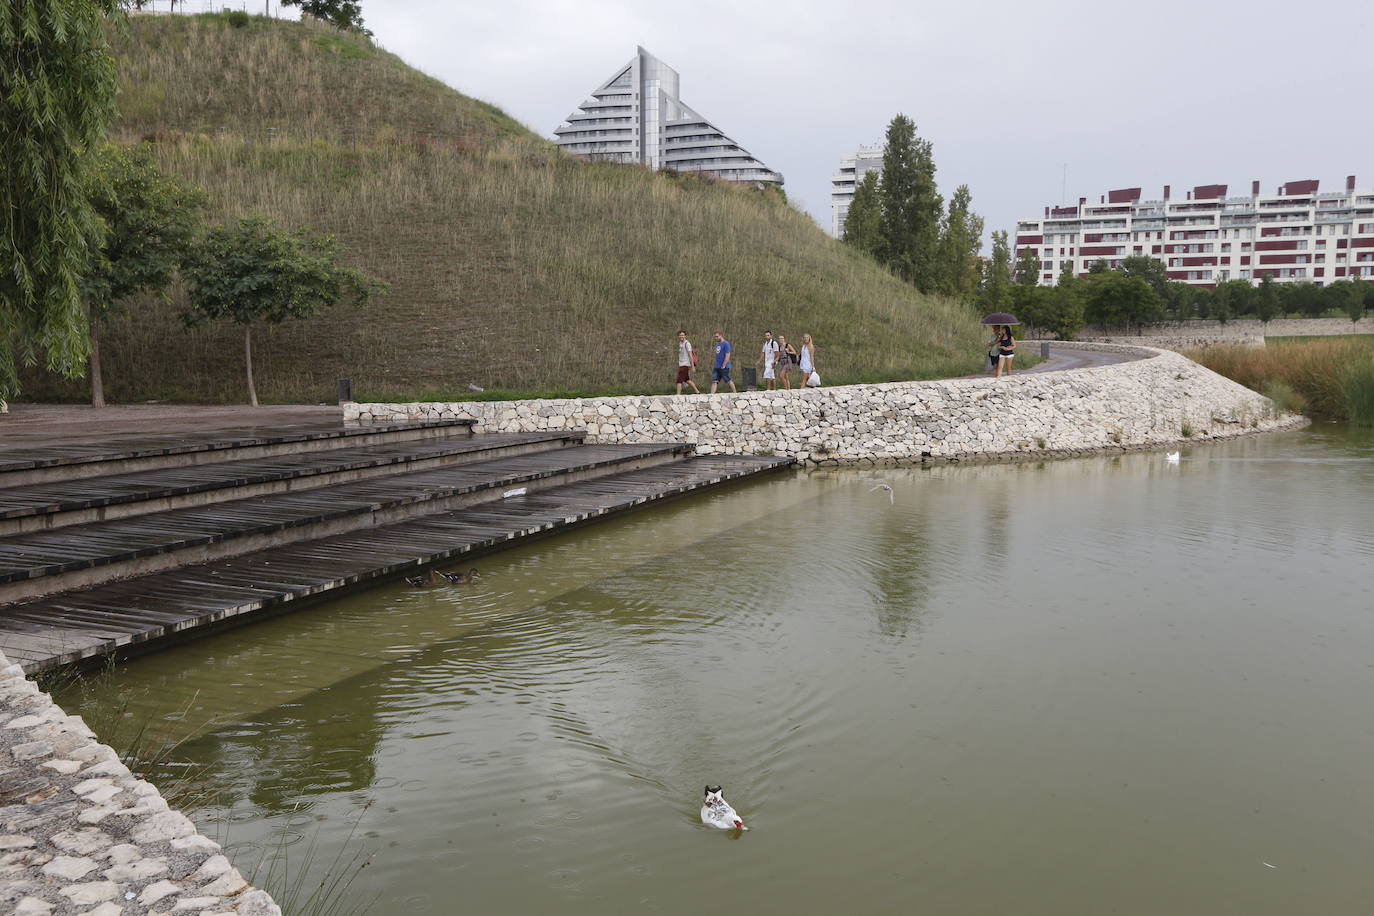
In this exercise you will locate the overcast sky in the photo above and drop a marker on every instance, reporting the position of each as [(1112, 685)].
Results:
[(1180, 92)]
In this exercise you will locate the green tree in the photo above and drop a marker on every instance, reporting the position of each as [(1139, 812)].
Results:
[(997, 275), (256, 271), (1350, 296), (1204, 302), (342, 14), (1027, 271), (1267, 300), (1231, 299), (1242, 297), (1112, 298), (150, 221), (1308, 299), (1179, 300), (1098, 267), (863, 221), (911, 205), (56, 99), (1148, 269), (961, 238), (1066, 275)]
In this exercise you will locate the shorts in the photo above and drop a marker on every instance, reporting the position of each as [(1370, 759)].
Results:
[(1005, 354), (684, 374), (720, 375), (768, 371)]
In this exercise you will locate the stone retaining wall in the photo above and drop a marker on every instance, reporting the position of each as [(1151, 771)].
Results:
[(79, 833), (1243, 327), (1157, 398)]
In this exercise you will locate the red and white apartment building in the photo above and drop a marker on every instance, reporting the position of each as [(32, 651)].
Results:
[(1297, 235)]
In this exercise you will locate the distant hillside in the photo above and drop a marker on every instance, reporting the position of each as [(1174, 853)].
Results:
[(511, 265)]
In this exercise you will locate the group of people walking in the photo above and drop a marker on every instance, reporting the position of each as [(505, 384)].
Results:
[(780, 360)]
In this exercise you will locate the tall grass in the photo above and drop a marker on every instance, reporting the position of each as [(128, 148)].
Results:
[(1332, 376), (512, 266)]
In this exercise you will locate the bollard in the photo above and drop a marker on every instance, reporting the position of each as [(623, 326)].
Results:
[(1045, 350), (345, 390)]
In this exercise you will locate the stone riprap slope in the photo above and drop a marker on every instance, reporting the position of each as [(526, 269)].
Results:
[(80, 834), (1183, 343), (1157, 399)]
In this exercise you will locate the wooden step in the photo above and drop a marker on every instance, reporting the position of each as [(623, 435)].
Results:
[(39, 507), (159, 609), (78, 556), (103, 456)]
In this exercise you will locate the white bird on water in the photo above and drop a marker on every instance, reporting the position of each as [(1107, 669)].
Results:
[(888, 488), (1171, 457), (716, 811)]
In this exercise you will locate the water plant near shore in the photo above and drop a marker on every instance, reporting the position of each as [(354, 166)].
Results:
[(1331, 377)]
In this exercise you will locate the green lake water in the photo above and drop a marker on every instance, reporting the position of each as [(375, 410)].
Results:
[(1099, 685)]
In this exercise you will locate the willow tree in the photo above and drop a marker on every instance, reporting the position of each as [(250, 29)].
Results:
[(57, 97)]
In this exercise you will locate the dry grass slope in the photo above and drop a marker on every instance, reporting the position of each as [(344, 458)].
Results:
[(512, 266)]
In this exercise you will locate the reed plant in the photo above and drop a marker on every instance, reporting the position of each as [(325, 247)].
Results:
[(1329, 376), (512, 265)]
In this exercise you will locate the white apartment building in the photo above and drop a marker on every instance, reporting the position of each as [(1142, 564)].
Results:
[(637, 116), (853, 167), (1297, 235)]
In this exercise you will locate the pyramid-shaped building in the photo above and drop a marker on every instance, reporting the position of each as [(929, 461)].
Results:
[(637, 116)]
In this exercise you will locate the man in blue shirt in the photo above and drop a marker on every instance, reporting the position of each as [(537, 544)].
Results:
[(721, 371)]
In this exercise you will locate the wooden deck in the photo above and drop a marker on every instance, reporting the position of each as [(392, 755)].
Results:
[(73, 496), (156, 608), (27, 559)]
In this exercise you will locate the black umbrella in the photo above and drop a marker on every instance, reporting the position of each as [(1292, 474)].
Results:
[(1000, 318)]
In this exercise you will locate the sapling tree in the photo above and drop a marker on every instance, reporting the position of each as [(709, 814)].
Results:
[(255, 271), (150, 220)]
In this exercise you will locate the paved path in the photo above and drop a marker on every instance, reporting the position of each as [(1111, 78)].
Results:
[(1065, 358)]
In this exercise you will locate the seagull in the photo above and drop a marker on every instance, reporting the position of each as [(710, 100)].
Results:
[(888, 488), (1171, 457)]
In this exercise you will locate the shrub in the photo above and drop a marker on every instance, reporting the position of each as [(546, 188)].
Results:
[(1285, 397), (237, 19)]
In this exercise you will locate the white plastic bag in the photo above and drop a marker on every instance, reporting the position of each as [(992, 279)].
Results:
[(813, 380)]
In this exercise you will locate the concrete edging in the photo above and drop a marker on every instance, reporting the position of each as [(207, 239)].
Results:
[(1156, 399)]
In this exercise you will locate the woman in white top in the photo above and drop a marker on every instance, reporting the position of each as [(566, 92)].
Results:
[(807, 356)]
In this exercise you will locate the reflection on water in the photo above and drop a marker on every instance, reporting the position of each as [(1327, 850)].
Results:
[(1108, 684)]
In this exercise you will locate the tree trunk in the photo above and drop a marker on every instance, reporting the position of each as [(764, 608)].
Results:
[(248, 361), (97, 383)]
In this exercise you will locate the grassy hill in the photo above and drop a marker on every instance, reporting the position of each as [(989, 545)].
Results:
[(512, 266)]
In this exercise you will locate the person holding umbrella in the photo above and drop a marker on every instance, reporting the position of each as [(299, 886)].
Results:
[(1003, 342)]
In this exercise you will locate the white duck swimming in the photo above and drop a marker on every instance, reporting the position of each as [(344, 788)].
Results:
[(1171, 457), (716, 812)]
